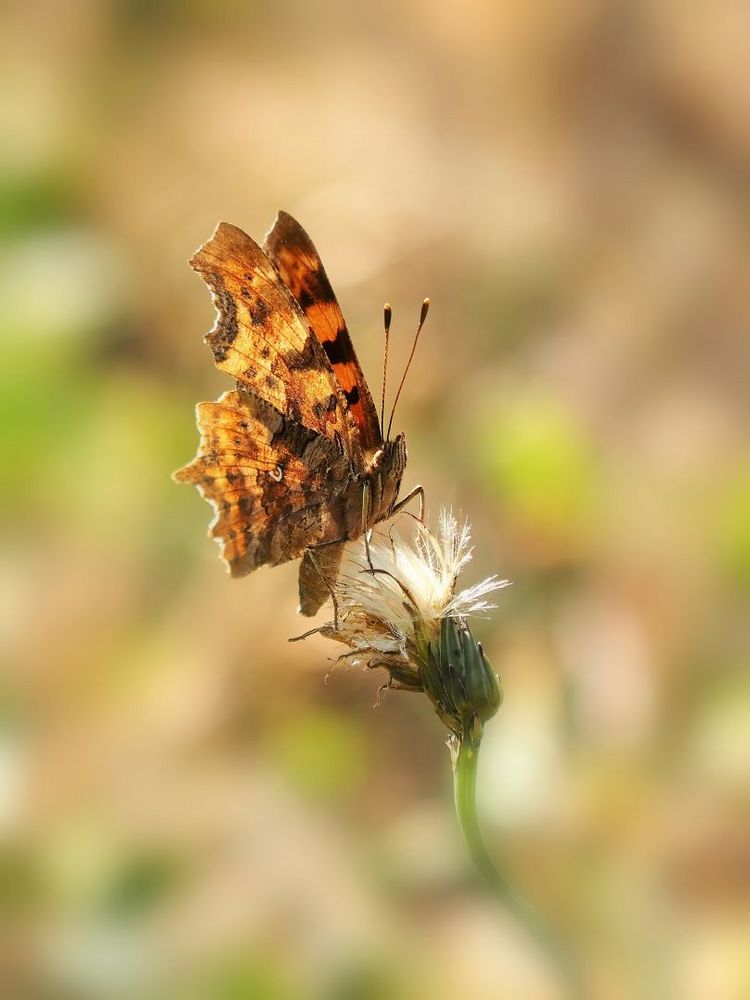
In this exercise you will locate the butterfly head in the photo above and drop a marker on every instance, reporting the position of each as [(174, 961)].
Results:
[(389, 465), (394, 454)]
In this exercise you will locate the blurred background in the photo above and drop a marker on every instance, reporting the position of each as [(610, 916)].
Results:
[(187, 809)]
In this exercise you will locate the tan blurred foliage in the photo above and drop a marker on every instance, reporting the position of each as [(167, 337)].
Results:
[(187, 809)]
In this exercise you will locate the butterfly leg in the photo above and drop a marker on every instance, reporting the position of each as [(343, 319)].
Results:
[(417, 491), (341, 540), (305, 635), (365, 522)]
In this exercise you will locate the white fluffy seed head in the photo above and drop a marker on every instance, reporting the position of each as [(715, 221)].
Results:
[(392, 613)]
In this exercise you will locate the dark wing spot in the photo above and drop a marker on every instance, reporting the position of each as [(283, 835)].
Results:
[(305, 359), (259, 312), (337, 349), (305, 299), (352, 395), (316, 291)]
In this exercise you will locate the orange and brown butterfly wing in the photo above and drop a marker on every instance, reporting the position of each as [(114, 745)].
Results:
[(262, 339), (268, 479), (298, 262)]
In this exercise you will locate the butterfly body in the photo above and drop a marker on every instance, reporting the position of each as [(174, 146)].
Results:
[(293, 460)]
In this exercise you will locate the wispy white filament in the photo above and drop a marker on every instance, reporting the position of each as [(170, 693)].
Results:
[(412, 588)]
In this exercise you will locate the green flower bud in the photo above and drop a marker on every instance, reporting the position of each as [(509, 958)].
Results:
[(459, 680)]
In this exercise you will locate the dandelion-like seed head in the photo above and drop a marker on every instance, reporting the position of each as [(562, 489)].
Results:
[(400, 610)]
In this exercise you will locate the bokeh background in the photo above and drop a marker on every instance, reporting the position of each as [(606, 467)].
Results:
[(187, 809)]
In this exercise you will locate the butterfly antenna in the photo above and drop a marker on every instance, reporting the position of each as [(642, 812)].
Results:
[(387, 316), (422, 318)]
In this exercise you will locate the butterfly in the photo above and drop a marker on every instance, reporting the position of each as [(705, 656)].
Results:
[(293, 459)]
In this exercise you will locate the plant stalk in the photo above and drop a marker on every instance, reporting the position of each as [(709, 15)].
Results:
[(465, 760)]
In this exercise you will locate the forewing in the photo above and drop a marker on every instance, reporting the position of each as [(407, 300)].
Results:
[(262, 338), (299, 264), (273, 484)]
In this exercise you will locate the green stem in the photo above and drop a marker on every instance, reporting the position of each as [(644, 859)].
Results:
[(465, 783)]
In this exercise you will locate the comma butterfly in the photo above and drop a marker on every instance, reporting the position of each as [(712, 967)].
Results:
[(292, 460)]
